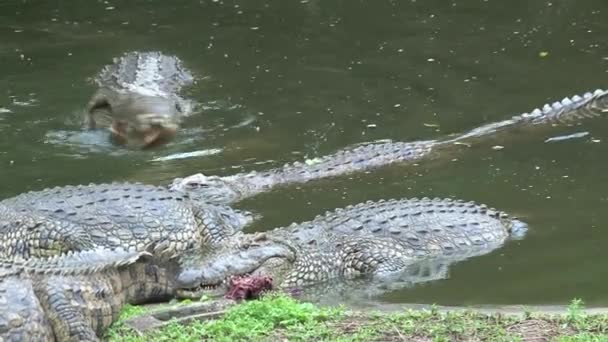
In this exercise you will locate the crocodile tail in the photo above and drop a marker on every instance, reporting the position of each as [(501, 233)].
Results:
[(589, 105), (76, 263), (568, 110)]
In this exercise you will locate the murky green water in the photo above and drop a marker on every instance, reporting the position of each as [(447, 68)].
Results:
[(284, 80)]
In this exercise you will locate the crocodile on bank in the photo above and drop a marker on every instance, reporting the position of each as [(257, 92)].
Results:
[(138, 98), (78, 295), (131, 216), (361, 157), (74, 297), (378, 241)]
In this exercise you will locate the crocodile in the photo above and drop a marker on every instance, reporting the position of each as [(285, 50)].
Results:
[(138, 98), (128, 215), (386, 240), (361, 157), (76, 296), (194, 210)]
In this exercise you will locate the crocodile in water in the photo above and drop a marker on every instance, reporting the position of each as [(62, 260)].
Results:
[(381, 241), (57, 220), (138, 98), (362, 157)]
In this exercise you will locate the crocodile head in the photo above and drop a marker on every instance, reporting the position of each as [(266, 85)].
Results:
[(211, 189), (210, 272), (135, 119)]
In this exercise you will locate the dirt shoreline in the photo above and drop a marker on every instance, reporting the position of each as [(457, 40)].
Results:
[(284, 318), (553, 310)]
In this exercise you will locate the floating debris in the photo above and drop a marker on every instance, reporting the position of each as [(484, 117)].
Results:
[(567, 137), (497, 147), (461, 143), (192, 154)]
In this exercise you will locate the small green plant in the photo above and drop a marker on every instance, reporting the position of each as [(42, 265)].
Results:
[(575, 311), (259, 318), (527, 313), (129, 311), (119, 331), (584, 337)]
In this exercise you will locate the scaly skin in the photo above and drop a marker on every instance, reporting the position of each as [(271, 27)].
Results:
[(363, 157), (131, 216), (383, 240), (568, 110), (77, 296), (138, 98), (229, 189)]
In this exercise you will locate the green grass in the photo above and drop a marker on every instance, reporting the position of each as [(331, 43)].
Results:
[(281, 318)]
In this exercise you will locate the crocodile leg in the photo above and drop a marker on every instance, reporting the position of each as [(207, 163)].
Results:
[(30, 234), (82, 293), (21, 315), (68, 320)]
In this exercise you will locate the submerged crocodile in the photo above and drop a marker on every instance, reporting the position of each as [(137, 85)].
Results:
[(138, 98), (380, 241), (362, 157), (131, 216), (77, 296)]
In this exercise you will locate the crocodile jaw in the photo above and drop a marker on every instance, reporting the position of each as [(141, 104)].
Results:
[(210, 275), (143, 135)]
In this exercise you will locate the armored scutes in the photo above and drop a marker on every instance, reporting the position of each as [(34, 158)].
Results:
[(138, 98), (374, 240), (131, 216), (569, 110), (234, 188), (362, 157), (77, 296)]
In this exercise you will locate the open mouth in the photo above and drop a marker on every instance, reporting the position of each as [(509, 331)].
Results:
[(146, 135), (230, 287), (238, 285), (212, 290), (249, 267)]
